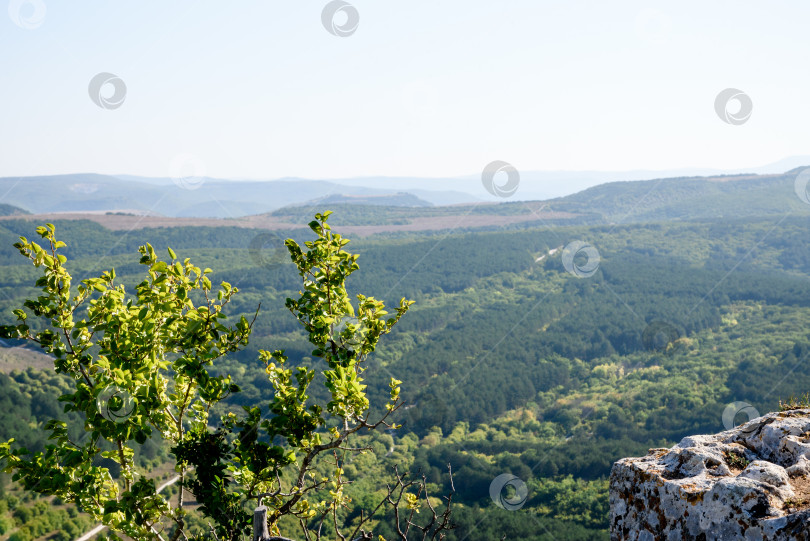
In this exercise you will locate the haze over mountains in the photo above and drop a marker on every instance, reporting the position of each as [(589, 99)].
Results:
[(203, 198), (669, 195)]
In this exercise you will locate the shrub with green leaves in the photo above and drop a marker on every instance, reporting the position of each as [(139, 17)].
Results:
[(139, 364), (281, 457)]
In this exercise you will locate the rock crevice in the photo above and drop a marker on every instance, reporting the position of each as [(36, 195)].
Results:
[(749, 483)]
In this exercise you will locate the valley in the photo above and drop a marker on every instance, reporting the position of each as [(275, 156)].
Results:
[(518, 357)]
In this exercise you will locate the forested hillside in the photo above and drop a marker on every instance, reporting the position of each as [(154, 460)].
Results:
[(264, 204), (510, 362), (11, 210)]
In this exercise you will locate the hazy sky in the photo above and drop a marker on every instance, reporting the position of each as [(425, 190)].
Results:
[(422, 88)]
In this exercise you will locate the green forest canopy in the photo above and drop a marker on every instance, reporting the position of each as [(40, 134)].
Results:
[(564, 381)]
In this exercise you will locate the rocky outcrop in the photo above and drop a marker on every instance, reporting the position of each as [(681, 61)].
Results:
[(748, 483)]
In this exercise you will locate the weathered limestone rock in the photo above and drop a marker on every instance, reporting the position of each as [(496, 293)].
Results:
[(748, 483)]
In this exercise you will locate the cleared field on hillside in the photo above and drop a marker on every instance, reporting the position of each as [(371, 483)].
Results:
[(119, 222), (20, 358)]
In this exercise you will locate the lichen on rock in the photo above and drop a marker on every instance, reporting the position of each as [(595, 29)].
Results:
[(748, 483)]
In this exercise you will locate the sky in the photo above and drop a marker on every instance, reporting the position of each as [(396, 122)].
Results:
[(263, 89)]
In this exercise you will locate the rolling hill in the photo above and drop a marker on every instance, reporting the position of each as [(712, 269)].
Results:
[(11, 210), (133, 205), (682, 198)]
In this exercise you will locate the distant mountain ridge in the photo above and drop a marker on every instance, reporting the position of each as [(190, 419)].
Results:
[(91, 192), (664, 199), (401, 199), (534, 185)]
